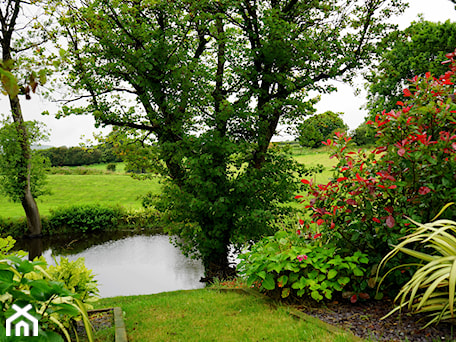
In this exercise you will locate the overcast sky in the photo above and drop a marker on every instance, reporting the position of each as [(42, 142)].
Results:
[(68, 131)]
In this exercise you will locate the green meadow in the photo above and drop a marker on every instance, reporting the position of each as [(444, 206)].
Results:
[(105, 189), (118, 188)]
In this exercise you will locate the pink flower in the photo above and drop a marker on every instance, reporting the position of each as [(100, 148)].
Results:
[(301, 257)]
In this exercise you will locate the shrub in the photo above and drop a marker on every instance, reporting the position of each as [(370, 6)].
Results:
[(76, 277), (14, 227), (289, 265), (409, 173), (140, 218), (111, 167), (83, 218)]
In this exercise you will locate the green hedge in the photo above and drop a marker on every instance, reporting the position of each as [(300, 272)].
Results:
[(85, 219)]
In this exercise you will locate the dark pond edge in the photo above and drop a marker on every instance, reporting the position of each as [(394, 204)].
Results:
[(119, 324)]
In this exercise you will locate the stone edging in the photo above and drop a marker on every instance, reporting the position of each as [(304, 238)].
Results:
[(120, 332)]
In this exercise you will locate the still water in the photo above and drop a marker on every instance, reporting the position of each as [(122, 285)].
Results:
[(135, 265)]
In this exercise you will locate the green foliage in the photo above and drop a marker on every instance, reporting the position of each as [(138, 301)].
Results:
[(211, 122), (418, 49), (13, 168), (83, 218), (14, 227), (78, 156), (76, 277), (27, 282), (140, 218), (363, 135), (291, 264), (431, 290), (111, 167), (320, 127), (252, 200), (5, 245)]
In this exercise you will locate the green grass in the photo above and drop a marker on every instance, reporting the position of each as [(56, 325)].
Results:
[(210, 315), (66, 190), (120, 189)]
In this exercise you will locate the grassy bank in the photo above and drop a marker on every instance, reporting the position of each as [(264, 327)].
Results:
[(210, 315)]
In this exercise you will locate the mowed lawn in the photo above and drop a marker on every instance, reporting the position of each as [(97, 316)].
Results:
[(67, 190)]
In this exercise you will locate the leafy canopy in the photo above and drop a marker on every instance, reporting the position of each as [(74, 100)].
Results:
[(320, 127)]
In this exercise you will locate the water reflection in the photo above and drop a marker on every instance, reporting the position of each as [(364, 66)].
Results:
[(135, 265)]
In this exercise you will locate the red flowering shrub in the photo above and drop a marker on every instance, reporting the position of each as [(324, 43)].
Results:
[(411, 172)]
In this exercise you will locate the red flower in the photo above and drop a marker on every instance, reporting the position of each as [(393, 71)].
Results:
[(320, 221), (301, 222), (316, 236), (305, 181), (376, 220), (424, 190), (407, 92)]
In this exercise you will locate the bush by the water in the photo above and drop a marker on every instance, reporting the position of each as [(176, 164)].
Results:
[(85, 219)]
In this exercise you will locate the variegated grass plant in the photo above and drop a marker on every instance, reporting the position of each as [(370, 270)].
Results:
[(431, 290)]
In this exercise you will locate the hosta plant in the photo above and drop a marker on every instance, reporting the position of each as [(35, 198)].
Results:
[(431, 290), (291, 264)]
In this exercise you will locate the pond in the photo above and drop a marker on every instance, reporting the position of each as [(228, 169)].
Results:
[(126, 265)]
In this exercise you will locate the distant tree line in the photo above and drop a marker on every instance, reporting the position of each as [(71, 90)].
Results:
[(78, 156)]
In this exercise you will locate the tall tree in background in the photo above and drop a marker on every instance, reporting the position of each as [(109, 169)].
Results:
[(416, 50), (22, 69), (209, 82), (320, 127)]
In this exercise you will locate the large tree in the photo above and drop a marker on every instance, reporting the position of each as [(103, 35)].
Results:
[(319, 127), (418, 49), (23, 66), (210, 81)]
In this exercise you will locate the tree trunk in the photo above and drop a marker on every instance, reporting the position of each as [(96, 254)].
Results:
[(27, 200), (32, 213)]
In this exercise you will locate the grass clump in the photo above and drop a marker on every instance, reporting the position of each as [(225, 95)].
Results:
[(209, 315)]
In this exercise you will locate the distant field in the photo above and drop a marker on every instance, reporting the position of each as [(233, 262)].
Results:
[(68, 190), (120, 189)]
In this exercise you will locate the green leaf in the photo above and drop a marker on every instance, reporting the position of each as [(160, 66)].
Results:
[(269, 282), (9, 83), (332, 273)]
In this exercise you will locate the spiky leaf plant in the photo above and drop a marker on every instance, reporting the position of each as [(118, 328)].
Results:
[(431, 290)]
